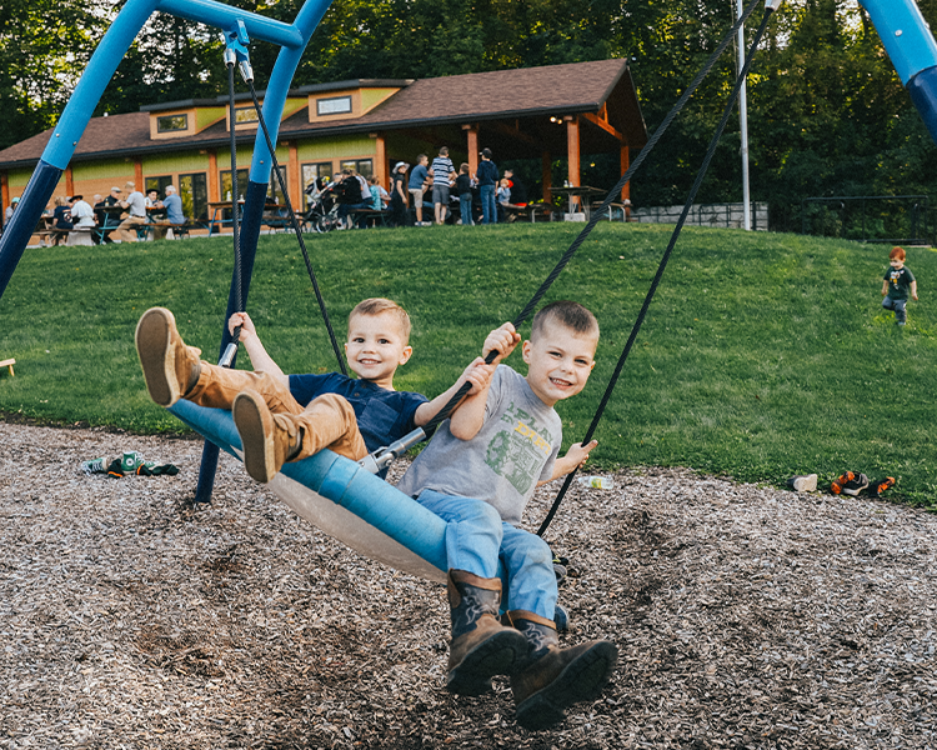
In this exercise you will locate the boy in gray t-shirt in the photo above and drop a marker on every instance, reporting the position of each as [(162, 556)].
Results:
[(478, 474)]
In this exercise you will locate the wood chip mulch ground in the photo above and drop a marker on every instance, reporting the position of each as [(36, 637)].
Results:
[(746, 617)]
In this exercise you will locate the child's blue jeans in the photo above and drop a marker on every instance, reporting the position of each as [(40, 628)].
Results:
[(899, 306), (465, 205), (476, 538)]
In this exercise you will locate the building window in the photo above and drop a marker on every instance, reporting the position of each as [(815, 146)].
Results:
[(158, 184), (337, 105), (274, 192), (320, 171), (193, 189), (244, 115), (172, 123), (364, 167), (226, 194)]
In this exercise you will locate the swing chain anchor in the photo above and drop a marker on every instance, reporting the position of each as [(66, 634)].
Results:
[(236, 42), (386, 455)]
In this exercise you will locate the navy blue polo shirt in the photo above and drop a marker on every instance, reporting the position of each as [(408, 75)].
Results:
[(383, 416)]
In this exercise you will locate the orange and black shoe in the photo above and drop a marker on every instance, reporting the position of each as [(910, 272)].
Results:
[(854, 487), (878, 487), (837, 486)]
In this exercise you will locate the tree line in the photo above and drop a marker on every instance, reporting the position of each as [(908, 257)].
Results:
[(827, 112)]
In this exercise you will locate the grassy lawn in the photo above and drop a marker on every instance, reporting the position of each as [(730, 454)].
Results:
[(762, 355)]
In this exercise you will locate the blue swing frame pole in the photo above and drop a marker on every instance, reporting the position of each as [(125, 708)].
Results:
[(292, 39), (912, 50)]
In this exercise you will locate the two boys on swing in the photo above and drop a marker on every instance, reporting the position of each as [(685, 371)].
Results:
[(477, 473)]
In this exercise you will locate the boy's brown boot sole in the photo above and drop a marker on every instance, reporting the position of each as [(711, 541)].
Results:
[(267, 445), (167, 362), (545, 689)]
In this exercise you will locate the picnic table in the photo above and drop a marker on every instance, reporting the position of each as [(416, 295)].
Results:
[(578, 196)]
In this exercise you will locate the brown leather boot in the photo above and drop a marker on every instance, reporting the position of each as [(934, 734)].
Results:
[(553, 679), (170, 368), (481, 646), (269, 440)]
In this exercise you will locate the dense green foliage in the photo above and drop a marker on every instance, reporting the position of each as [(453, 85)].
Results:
[(828, 115), (762, 356)]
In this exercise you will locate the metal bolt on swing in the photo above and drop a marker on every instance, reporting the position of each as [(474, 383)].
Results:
[(386, 455)]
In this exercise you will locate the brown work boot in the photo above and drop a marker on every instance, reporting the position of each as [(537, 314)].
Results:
[(553, 679), (268, 440), (170, 368), (481, 646)]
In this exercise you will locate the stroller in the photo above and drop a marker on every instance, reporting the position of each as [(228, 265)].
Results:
[(322, 215)]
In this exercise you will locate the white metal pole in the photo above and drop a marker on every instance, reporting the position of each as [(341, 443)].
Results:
[(743, 118)]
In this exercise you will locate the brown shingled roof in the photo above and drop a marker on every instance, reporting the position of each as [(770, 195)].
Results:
[(555, 89)]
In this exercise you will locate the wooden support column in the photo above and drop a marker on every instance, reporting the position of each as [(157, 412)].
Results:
[(546, 176), (380, 169), (213, 187), (626, 190), (572, 152), (294, 181), (471, 134), (138, 175), (69, 182), (4, 190)]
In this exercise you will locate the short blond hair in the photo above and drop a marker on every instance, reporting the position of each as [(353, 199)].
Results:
[(380, 305)]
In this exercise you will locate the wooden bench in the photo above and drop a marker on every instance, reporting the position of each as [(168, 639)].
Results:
[(8, 363), (369, 215), (530, 210), (622, 207), (179, 231)]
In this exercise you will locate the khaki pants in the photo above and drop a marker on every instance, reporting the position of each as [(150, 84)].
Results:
[(127, 230), (328, 421)]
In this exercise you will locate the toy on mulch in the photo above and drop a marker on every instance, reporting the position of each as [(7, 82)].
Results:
[(852, 483), (130, 463), (847, 483)]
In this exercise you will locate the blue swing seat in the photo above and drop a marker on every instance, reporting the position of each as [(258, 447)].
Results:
[(344, 500), (350, 504)]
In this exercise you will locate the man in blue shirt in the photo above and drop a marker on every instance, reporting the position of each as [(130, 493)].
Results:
[(417, 186)]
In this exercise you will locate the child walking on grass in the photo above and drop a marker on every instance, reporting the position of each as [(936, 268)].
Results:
[(896, 284), (477, 474), (284, 418)]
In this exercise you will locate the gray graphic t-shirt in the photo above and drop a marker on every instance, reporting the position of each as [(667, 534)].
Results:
[(515, 448)]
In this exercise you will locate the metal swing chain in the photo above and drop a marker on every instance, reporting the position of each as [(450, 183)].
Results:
[(384, 456), (227, 358), (727, 112)]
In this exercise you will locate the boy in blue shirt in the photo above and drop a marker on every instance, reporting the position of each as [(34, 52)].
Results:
[(477, 474), (284, 418)]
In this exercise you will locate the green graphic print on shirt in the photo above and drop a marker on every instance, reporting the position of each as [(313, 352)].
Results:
[(519, 453)]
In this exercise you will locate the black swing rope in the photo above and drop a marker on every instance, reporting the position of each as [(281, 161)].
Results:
[(727, 112), (297, 230), (444, 413)]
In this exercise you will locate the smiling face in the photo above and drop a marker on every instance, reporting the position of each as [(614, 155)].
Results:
[(897, 264), (559, 361), (376, 347)]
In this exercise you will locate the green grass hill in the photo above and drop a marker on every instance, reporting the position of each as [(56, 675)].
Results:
[(762, 356)]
